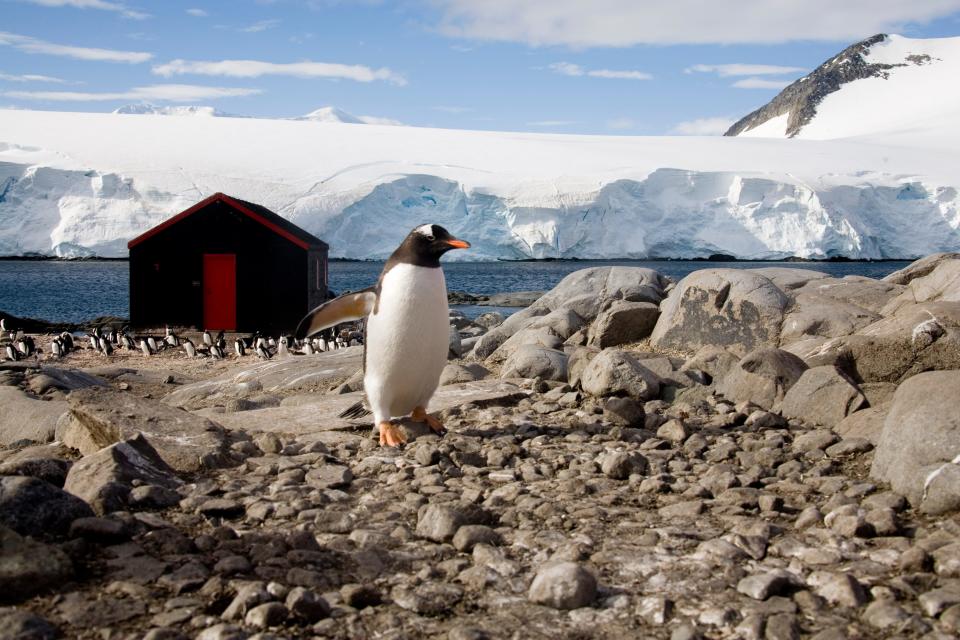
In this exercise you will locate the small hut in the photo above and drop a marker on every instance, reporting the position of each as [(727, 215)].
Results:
[(226, 264)]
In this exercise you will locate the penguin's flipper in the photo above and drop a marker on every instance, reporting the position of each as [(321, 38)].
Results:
[(356, 410), (346, 308)]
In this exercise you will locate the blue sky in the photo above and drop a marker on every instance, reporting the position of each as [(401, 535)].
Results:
[(620, 67)]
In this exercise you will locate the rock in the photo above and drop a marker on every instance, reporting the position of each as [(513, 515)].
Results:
[(490, 319), (866, 423), (99, 530), (248, 596), (712, 360), (329, 476), (673, 430), (223, 632), (307, 606), (936, 601), (105, 479), (468, 536), (790, 279), (38, 462), (24, 625), (763, 377), (32, 507), (304, 373), (531, 361), (24, 418), (620, 465), (360, 596), (763, 585), (731, 308), (623, 322), (615, 372), (919, 268), (266, 615), (940, 281), (577, 363), (919, 449), (28, 567), (455, 346), (566, 585), (429, 599), (884, 614), (838, 588), (626, 412), (824, 396), (439, 522), (817, 315), (454, 373), (100, 418), (946, 560)]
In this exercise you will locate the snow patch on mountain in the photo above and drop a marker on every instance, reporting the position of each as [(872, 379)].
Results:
[(179, 110), (333, 114)]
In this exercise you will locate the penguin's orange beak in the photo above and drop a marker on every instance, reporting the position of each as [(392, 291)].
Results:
[(458, 244)]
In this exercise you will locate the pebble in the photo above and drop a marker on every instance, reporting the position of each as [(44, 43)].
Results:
[(762, 586), (566, 585), (266, 615)]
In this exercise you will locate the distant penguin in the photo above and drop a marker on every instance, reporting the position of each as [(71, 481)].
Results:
[(106, 346), (307, 348), (151, 341), (12, 353), (262, 352), (189, 348), (95, 342), (207, 338), (283, 346), (3, 324), (239, 348), (126, 342), (216, 352), (56, 348), (220, 341), (407, 330), (67, 339), (171, 338), (145, 347)]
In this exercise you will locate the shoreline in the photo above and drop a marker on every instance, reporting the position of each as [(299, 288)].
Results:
[(709, 259)]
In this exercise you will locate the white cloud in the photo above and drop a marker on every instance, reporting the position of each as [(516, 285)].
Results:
[(160, 92), (551, 123), (262, 25), (738, 69), (624, 23), (620, 124), (118, 7), (570, 69), (197, 13), (33, 45), (30, 77), (760, 83), (257, 68), (703, 127)]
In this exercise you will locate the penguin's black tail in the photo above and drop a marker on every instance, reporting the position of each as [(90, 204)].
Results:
[(356, 410)]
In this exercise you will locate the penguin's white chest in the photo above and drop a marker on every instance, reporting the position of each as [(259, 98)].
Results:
[(407, 340)]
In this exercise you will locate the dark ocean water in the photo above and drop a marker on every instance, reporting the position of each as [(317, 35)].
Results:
[(79, 291)]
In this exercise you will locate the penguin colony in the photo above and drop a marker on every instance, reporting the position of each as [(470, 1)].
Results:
[(407, 331)]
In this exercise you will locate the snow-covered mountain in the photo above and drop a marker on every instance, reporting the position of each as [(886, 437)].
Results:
[(74, 184), (156, 110), (333, 114), (883, 84)]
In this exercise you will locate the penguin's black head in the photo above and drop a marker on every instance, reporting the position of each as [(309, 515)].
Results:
[(425, 244)]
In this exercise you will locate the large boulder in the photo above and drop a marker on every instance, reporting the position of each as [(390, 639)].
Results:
[(32, 507), (623, 322), (532, 361), (105, 479), (711, 360), (816, 315), (543, 336), (941, 283), (618, 373), (185, 441), (584, 292), (919, 449), (49, 462), (865, 293), (25, 418), (731, 308), (918, 337), (788, 279), (824, 396), (763, 377), (919, 268)]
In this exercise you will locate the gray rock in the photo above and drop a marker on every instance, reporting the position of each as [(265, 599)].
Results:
[(615, 372), (566, 585), (838, 588), (824, 396), (429, 599), (32, 507), (731, 308), (620, 465), (790, 279), (454, 373), (104, 479), (946, 560), (439, 522), (28, 567), (185, 441), (468, 536), (100, 530), (455, 346), (939, 283), (626, 412), (623, 322), (763, 585), (763, 377), (818, 315), (866, 424), (248, 596), (936, 601), (884, 614), (223, 632), (577, 363), (490, 319), (38, 462), (919, 448), (919, 268), (712, 360), (269, 614), (24, 418), (307, 606), (24, 625), (329, 476), (531, 361)]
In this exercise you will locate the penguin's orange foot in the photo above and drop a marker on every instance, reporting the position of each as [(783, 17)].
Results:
[(420, 415), (391, 435)]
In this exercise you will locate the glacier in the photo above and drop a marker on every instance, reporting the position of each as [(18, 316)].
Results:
[(81, 184)]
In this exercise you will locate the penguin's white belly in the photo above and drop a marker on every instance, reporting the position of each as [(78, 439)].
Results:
[(408, 337)]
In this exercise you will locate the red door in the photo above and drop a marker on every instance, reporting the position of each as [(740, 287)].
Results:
[(220, 291)]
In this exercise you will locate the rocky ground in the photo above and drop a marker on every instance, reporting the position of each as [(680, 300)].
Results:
[(743, 454)]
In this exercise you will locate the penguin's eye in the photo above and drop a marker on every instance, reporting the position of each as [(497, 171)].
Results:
[(430, 238)]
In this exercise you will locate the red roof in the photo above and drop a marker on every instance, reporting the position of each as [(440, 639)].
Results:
[(276, 223)]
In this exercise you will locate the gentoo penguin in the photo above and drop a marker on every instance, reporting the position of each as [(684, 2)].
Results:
[(207, 338), (239, 347), (145, 347), (407, 329), (189, 348), (153, 344)]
